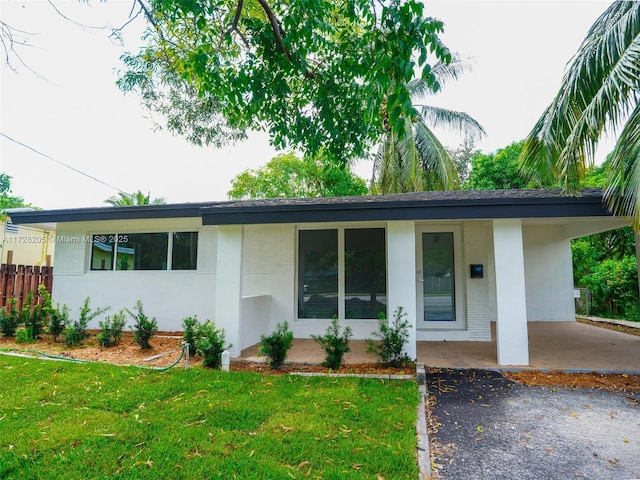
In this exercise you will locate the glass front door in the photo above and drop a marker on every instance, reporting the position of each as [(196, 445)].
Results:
[(439, 279)]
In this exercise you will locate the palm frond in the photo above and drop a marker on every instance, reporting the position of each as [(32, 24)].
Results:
[(443, 72), (439, 169), (462, 122), (598, 93), (623, 177)]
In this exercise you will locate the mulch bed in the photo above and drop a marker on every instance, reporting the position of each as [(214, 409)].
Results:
[(167, 344)]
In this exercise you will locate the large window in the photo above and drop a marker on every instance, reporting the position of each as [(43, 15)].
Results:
[(144, 251), (342, 272)]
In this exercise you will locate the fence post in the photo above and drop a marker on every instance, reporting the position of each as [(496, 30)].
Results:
[(17, 281)]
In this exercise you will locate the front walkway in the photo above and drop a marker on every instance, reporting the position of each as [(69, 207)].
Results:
[(552, 346)]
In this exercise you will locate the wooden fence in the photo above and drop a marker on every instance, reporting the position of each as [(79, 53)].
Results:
[(16, 281)]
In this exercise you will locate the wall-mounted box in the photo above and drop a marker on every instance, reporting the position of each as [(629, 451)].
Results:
[(476, 270)]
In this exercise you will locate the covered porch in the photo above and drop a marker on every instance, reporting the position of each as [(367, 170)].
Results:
[(552, 346)]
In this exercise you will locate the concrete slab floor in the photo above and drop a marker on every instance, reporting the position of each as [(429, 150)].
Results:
[(552, 346)]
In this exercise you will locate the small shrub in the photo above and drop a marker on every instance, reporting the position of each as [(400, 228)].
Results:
[(276, 345), (34, 318), (75, 331), (392, 339), (334, 344), (189, 326), (72, 336), (23, 336), (9, 318), (144, 328), (209, 342), (111, 329), (58, 318)]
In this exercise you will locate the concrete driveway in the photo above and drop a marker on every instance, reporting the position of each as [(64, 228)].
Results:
[(489, 427)]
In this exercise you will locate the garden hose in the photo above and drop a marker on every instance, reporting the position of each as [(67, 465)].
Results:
[(78, 360)]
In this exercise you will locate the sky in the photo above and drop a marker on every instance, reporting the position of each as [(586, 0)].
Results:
[(65, 105)]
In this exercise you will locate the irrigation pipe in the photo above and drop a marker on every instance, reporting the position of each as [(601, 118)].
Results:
[(78, 360)]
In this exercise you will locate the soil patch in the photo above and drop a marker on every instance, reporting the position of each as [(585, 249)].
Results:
[(166, 350), (611, 326)]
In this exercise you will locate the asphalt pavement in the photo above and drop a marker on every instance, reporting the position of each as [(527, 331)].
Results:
[(489, 427)]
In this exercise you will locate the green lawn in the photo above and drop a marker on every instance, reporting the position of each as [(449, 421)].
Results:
[(82, 421)]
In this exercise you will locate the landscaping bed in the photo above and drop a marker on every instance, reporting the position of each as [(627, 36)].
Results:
[(167, 344), (167, 350)]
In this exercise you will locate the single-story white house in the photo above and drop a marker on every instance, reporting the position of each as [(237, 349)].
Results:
[(455, 261)]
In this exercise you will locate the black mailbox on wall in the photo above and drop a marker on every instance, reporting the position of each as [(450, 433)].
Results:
[(477, 270)]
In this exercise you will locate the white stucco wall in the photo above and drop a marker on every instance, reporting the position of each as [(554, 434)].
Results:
[(548, 273), (270, 253), (269, 269), (479, 292), (167, 295)]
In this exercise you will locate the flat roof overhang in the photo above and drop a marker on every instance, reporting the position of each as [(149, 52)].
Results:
[(372, 209), (440, 205), (138, 212)]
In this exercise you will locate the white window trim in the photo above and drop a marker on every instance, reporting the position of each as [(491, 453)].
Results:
[(458, 260)]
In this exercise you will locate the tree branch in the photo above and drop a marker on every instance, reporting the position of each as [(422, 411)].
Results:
[(278, 33)]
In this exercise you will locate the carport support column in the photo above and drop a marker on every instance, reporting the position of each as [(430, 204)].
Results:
[(401, 261), (511, 325), (229, 284)]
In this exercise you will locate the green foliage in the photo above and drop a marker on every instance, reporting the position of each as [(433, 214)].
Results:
[(130, 199), (143, 328), (614, 284), (598, 96), (287, 176), (34, 318), (58, 318), (209, 342), (315, 75), (276, 345), (189, 327), (75, 331), (463, 155), (23, 336), (497, 171), (9, 318), (111, 332), (334, 344), (6, 199), (588, 252), (410, 157), (392, 339)]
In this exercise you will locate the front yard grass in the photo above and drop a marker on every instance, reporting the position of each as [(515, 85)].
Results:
[(82, 420)]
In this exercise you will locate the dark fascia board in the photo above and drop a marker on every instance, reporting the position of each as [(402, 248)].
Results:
[(182, 210), (463, 205), (452, 205)]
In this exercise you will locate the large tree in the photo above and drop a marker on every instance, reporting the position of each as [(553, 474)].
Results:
[(287, 176), (598, 95), (497, 170), (317, 75), (411, 158)]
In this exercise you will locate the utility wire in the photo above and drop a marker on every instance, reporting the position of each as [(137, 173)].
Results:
[(64, 164)]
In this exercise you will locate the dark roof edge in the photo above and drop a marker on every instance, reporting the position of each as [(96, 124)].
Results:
[(433, 209), (136, 212)]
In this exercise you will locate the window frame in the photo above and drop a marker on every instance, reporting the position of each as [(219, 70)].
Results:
[(117, 234), (341, 266)]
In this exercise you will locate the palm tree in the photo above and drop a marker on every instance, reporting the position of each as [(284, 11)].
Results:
[(599, 94), (137, 198), (417, 160)]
